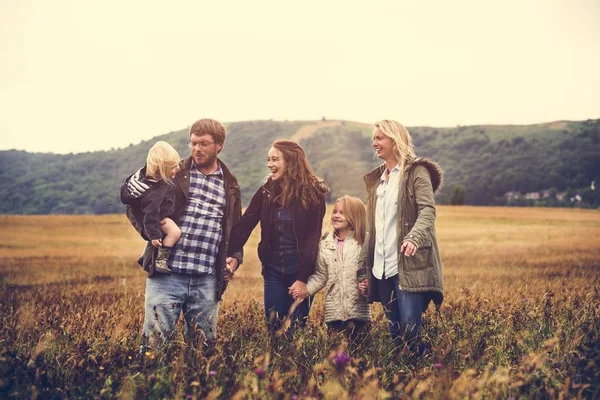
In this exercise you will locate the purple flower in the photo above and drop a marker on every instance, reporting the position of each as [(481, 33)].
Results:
[(260, 372), (294, 397), (341, 359), (438, 365), (212, 373)]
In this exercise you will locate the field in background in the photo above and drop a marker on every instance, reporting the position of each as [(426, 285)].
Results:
[(521, 318)]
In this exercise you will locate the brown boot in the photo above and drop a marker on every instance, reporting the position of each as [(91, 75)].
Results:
[(161, 261)]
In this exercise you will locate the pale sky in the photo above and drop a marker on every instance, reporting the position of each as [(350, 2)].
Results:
[(88, 75)]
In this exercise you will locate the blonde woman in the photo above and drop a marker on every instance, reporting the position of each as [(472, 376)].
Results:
[(402, 255), (340, 268), (151, 213)]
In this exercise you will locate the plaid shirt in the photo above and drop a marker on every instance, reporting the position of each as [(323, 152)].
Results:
[(201, 232)]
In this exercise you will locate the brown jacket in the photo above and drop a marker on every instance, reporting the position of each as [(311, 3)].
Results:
[(416, 223), (233, 213)]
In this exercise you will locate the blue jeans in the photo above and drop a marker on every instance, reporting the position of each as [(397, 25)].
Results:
[(169, 295), (278, 301), (403, 309)]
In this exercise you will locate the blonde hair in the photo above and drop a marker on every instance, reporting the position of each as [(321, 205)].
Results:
[(356, 215), (162, 157), (403, 149)]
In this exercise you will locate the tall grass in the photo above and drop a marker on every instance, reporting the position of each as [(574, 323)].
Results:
[(520, 319)]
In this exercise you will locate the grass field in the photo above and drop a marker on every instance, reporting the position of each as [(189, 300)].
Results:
[(521, 319)]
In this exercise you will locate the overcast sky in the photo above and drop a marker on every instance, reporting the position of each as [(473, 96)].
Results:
[(91, 75)]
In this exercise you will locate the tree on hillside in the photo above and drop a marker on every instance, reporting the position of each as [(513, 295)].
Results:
[(458, 196)]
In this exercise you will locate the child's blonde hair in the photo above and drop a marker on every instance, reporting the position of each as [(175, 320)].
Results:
[(162, 157), (356, 215)]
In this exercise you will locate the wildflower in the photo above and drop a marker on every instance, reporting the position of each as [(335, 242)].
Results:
[(438, 365), (294, 396), (341, 359), (260, 372), (212, 373)]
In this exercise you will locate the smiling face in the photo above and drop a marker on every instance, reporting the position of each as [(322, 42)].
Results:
[(339, 221), (204, 150), (173, 171), (275, 163), (383, 145)]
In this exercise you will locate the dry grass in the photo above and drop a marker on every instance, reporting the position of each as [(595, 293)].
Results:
[(521, 318)]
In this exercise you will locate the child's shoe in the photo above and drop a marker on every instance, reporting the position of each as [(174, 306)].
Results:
[(160, 265)]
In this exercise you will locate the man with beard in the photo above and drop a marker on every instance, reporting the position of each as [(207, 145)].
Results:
[(207, 205)]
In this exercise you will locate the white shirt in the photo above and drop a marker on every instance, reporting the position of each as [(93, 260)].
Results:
[(386, 240)]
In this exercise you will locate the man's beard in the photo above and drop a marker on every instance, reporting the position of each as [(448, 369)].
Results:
[(205, 162)]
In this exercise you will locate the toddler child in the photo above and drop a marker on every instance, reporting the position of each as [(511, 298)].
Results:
[(150, 213)]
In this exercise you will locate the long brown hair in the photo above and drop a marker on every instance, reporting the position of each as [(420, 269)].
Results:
[(298, 179)]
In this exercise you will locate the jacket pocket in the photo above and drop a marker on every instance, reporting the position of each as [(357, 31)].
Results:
[(423, 258), (330, 289)]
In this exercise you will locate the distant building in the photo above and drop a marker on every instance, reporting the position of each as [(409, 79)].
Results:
[(512, 195), (533, 196)]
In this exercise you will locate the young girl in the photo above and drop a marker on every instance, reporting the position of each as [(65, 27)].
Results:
[(150, 214), (340, 268)]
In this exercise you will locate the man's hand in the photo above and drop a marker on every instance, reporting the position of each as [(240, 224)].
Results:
[(363, 286), (231, 265), (298, 290), (408, 249), (135, 187)]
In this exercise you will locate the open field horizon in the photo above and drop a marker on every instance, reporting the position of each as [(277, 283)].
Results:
[(520, 318)]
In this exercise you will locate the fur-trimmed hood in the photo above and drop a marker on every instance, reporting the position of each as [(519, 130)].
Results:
[(436, 173)]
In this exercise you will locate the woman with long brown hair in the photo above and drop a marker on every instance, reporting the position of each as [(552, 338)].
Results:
[(290, 206)]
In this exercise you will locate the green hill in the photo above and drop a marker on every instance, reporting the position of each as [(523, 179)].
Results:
[(485, 161)]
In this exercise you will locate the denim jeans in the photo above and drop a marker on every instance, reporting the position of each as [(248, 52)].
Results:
[(169, 295), (278, 301), (403, 309)]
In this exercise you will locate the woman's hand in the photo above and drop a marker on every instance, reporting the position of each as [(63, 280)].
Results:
[(231, 265), (157, 242), (298, 290), (363, 286), (408, 249)]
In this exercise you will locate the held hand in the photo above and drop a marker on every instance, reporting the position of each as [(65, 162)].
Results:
[(231, 265), (298, 290), (135, 187), (408, 249), (157, 242), (363, 286)]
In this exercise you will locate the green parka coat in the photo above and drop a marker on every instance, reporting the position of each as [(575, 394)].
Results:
[(422, 272)]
